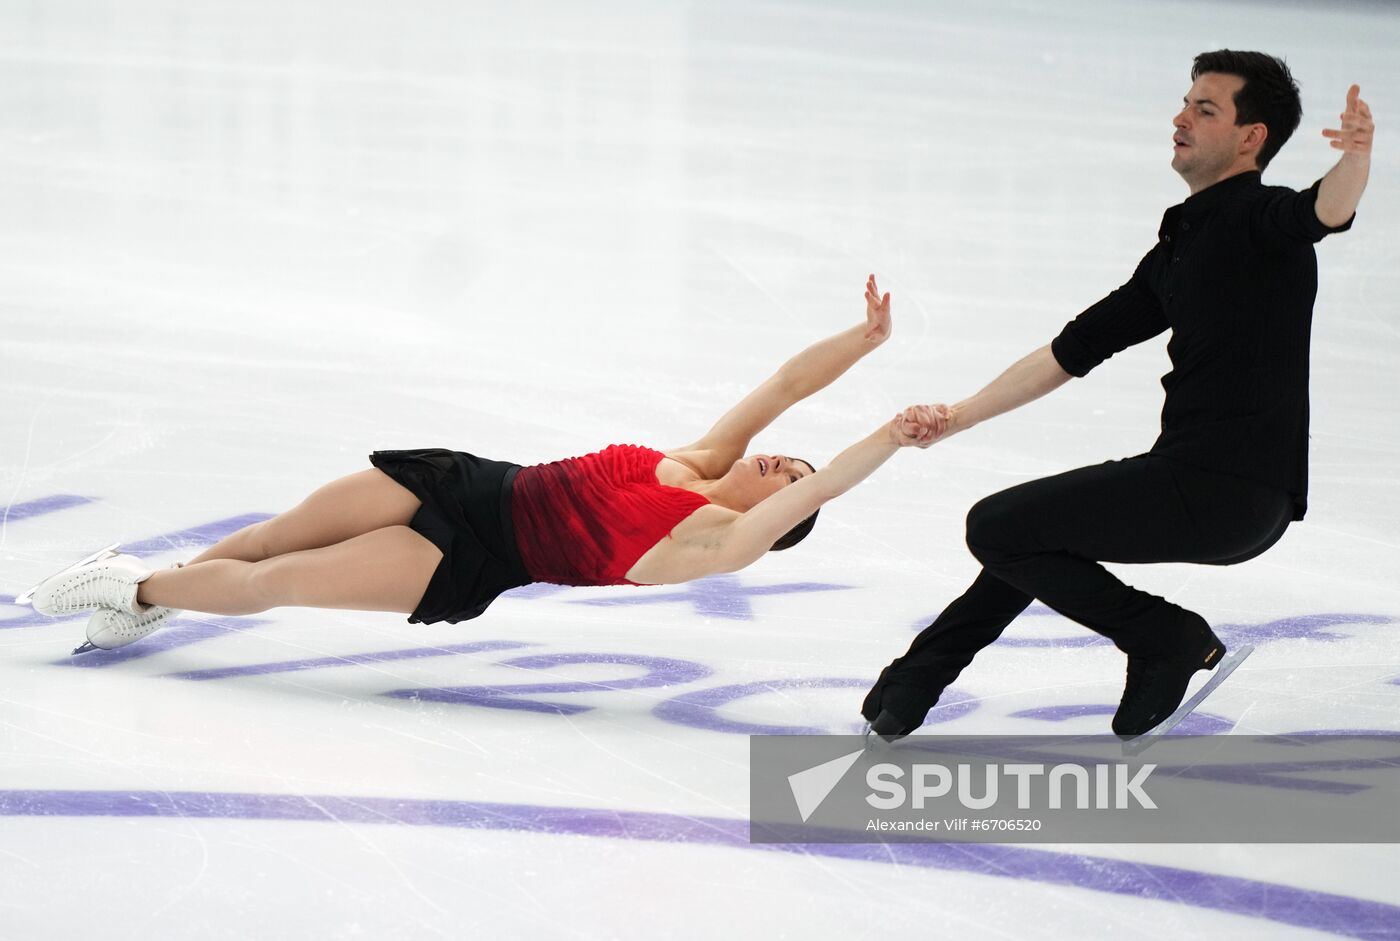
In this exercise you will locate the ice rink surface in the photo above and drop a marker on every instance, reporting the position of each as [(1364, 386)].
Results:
[(244, 244)]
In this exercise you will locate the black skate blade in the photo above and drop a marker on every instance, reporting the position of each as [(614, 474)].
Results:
[(86, 646), (100, 553), (1137, 745)]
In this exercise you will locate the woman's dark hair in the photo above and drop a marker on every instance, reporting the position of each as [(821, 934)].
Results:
[(795, 535), (799, 532), (1269, 96)]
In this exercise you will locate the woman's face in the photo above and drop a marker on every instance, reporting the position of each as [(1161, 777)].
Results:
[(753, 479)]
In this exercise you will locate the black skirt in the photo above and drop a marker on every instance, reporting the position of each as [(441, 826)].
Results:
[(466, 514)]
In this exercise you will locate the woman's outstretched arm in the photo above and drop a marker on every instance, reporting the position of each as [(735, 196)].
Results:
[(808, 372), (750, 535)]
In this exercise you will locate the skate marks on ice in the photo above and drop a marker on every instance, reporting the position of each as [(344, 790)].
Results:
[(719, 596), (1279, 903), (16, 512), (718, 709), (42, 506), (1241, 638), (690, 699), (724, 596), (1295, 627), (193, 537)]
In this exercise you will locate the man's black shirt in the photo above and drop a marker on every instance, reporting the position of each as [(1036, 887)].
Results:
[(1233, 275)]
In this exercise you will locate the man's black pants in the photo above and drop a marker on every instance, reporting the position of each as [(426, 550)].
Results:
[(1044, 539)]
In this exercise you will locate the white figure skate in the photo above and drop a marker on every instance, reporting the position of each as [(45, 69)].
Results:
[(109, 582), (109, 630), (97, 556)]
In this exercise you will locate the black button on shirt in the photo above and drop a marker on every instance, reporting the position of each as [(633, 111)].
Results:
[(1236, 289)]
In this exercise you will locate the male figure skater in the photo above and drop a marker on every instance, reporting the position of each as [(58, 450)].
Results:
[(1233, 275)]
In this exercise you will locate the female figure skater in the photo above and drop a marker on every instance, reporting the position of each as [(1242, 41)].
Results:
[(439, 534)]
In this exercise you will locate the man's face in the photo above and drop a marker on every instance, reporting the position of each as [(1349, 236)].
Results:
[(1207, 142)]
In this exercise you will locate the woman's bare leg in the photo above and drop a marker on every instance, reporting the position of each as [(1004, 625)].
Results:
[(341, 510), (384, 570)]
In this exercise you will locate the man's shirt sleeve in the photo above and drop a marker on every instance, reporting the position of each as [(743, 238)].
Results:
[(1287, 215), (1129, 315)]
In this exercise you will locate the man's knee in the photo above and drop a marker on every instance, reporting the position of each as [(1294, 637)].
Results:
[(992, 527)]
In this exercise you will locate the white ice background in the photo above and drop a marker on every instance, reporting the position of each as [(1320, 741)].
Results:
[(243, 244)]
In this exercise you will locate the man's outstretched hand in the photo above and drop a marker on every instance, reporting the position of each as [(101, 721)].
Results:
[(1343, 185), (1357, 130)]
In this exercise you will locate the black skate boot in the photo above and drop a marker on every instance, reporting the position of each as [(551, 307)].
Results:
[(893, 709), (1157, 680), (909, 687)]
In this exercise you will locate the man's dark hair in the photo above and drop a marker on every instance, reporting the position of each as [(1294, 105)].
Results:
[(1269, 96), (799, 532)]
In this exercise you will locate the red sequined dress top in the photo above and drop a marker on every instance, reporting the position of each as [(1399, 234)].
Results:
[(587, 520)]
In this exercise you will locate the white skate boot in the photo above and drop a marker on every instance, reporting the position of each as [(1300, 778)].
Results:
[(104, 583), (97, 556), (108, 629)]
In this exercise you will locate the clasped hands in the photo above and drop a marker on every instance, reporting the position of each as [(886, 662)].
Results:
[(920, 425)]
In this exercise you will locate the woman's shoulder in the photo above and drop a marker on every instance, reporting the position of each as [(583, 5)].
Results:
[(678, 469)]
